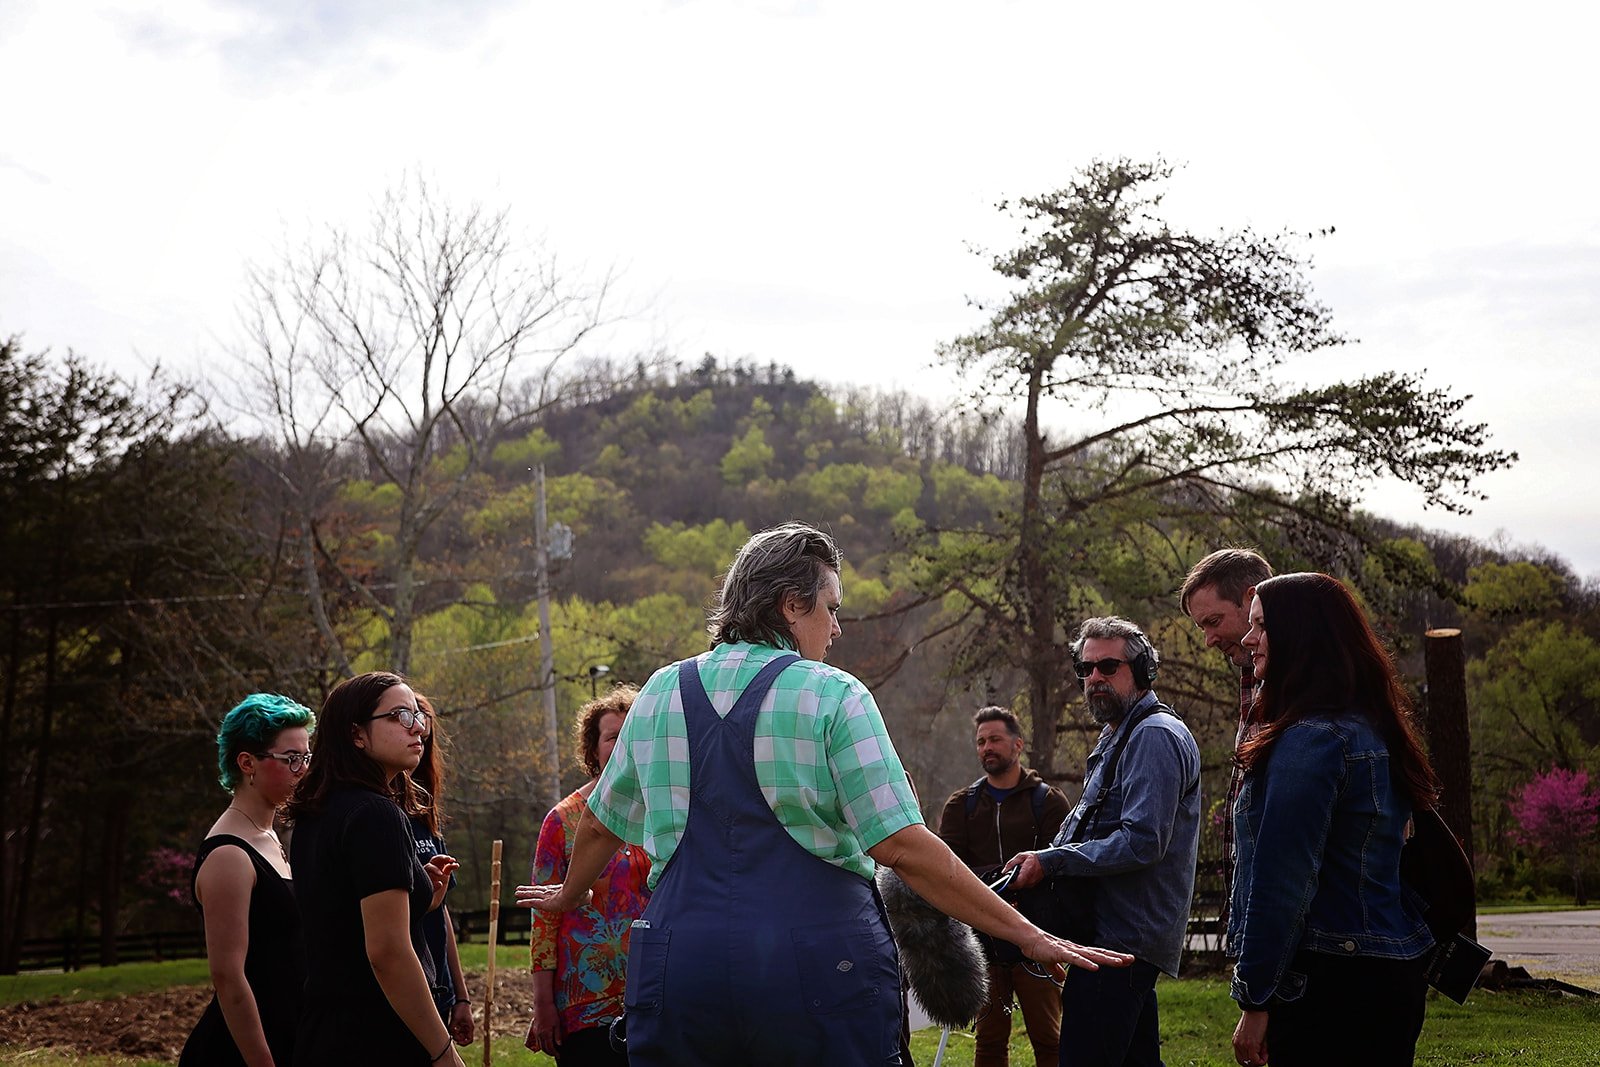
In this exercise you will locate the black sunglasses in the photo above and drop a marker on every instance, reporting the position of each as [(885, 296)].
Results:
[(1107, 667)]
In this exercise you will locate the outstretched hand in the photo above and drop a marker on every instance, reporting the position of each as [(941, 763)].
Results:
[(1047, 948), (551, 898)]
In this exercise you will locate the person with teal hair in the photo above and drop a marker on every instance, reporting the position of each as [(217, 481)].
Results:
[(242, 886), (248, 727)]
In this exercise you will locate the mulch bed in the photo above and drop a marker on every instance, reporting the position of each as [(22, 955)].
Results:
[(153, 1026)]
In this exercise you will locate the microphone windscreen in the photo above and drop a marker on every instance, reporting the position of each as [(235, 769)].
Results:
[(942, 959)]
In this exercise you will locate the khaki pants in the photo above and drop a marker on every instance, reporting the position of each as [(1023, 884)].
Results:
[(1040, 1002)]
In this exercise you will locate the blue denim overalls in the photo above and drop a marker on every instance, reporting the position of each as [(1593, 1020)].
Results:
[(753, 950)]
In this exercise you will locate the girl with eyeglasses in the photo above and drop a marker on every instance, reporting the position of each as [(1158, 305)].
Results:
[(361, 888), (241, 886)]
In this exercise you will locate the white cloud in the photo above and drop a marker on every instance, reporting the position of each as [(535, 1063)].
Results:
[(799, 181)]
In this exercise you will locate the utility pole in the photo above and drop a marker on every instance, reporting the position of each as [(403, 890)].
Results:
[(547, 652)]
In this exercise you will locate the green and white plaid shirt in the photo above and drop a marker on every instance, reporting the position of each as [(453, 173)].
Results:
[(823, 760)]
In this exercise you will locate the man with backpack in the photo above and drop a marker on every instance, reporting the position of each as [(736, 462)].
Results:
[(1007, 811)]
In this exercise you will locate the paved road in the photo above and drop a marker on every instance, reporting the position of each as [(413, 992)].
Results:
[(1550, 944)]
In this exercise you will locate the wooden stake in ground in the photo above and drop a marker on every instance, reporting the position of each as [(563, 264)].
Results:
[(494, 937)]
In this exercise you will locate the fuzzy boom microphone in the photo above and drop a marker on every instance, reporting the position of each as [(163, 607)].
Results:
[(942, 960)]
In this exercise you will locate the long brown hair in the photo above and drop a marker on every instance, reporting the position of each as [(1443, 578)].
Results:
[(1323, 658), (428, 779), (337, 761)]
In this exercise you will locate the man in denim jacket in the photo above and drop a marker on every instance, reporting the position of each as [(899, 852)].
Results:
[(1136, 836)]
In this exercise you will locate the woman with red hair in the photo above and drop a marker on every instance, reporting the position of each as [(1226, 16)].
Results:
[(1331, 953), (580, 957)]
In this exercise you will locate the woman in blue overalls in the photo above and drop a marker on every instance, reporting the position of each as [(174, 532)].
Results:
[(764, 787)]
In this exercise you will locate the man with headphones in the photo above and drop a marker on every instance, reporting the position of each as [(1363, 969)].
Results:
[(1129, 846)]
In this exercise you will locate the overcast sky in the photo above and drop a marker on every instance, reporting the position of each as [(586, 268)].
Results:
[(801, 182)]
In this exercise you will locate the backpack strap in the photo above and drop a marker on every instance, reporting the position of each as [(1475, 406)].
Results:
[(1041, 793), (1038, 795), (972, 795)]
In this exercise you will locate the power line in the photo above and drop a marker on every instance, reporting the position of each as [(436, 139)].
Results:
[(205, 598)]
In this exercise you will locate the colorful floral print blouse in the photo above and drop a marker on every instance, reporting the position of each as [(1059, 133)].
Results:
[(587, 947)]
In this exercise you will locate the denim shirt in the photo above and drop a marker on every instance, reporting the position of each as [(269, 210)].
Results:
[(1145, 838), (1319, 827)]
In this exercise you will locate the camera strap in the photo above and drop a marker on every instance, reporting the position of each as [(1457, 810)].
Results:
[(1108, 773)]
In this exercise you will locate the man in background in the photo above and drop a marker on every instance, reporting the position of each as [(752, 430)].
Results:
[(1009, 810), (1216, 595)]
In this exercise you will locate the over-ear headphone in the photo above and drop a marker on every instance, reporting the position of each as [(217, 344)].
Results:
[(1145, 664)]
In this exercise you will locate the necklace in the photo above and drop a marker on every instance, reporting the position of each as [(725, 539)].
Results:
[(267, 829)]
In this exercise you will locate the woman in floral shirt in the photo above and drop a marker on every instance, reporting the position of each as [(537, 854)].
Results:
[(580, 957)]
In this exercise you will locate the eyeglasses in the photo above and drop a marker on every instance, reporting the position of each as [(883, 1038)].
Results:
[(408, 719), (1107, 667), (297, 761)]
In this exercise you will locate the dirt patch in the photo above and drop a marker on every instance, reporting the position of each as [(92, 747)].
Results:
[(141, 1026), (154, 1026)]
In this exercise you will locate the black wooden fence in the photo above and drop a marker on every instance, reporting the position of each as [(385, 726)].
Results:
[(516, 925), (73, 953)]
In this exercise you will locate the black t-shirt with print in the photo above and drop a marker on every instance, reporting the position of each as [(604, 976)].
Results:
[(359, 845)]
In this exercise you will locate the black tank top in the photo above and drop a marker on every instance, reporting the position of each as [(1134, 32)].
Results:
[(274, 965)]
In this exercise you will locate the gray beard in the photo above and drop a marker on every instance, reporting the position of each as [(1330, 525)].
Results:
[(1106, 706)]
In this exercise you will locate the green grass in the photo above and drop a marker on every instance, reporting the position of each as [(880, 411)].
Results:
[(1528, 1029), (504, 1054), (40, 1058), (1519, 906), (475, 957), (1197, 1018), (98, 983)]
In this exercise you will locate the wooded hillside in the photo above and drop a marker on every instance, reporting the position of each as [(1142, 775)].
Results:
[(150, 582)]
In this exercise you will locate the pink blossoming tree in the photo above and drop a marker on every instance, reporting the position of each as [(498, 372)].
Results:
[(1557, 814), (167, 871)]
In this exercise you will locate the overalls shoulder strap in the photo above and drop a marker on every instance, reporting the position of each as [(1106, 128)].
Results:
[(695, 697)]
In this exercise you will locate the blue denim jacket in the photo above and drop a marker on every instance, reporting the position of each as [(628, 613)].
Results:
[(1145, 839), (1319, 827)]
